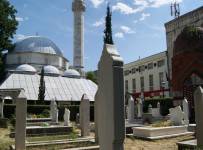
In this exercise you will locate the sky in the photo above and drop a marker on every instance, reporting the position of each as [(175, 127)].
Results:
[(137, 25)]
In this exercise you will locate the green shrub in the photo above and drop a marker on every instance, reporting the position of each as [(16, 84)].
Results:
[(164, 103), (43, 111), (161, 124)]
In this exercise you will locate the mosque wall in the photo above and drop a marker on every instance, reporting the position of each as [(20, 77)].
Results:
[(174, 27), (36, 60)]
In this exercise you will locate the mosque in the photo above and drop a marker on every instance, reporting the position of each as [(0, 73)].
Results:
[(25, 61)]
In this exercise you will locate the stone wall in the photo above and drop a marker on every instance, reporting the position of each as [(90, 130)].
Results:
[(174, 27)]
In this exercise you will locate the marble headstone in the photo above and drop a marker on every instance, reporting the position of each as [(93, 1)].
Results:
[(66, 117), (176, 116)]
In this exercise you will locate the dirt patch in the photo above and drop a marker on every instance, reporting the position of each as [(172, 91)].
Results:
[(164, 144)]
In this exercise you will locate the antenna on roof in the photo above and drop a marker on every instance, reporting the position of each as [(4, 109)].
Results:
[(175, 10)]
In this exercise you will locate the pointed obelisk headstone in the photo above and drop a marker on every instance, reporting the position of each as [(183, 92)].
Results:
[(111, 121), (20, 127), (186, 111), (198, 100), (85, 116), (131, 109)]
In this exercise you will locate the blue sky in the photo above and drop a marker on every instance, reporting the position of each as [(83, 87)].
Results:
[(138, 25)]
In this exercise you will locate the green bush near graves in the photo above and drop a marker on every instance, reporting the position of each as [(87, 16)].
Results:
[(39, 110), (165, 104)]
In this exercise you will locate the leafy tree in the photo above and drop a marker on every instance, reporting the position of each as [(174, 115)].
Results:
[(41, 94), (108, 31), (90, 75), (8, 25)]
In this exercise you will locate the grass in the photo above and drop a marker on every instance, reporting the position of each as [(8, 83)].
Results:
[(72, 136), (161, 124)]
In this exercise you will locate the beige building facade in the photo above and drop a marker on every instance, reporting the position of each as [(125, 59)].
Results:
[(147, 76)]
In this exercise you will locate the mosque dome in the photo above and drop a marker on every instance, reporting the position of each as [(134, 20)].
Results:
[(36, 44), (189, 40), (71, 73), (51, 70), (25, 68)]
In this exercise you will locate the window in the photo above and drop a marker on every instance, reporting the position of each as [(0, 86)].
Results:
[(142, 82), (134, 84), (161, 78), (46, 61), (126, 85), (150, 66), (133, 70), (19, 60), (151, 83), (161, 63), (126, 72), (142, 68)]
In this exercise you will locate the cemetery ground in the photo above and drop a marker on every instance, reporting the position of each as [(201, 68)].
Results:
[(129, 144)]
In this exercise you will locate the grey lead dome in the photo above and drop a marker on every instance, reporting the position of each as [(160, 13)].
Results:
[(25, 67), (36, 44), (71, 73), (48, 70)]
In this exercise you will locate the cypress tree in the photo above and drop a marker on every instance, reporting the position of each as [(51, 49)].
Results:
[(41, 94), (108, 31)]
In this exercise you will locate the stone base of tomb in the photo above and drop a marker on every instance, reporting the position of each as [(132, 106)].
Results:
[(190, 145), (46, 130), (3, 123), (152, 133)]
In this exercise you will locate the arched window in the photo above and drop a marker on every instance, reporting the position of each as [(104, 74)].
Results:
[(46, 61), (19, 60)]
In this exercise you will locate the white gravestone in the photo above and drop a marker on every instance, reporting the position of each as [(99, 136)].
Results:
[(140, 108), (198, 100), (85, 116), (66, 117), (111, 100), (150, 109), (176, 116), (54, 113), (158, 105), (186, 111), (131, 109), (127, 112), (51, 107), (156, 111), (77, 118)]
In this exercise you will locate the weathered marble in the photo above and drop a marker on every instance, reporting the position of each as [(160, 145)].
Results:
[(111, 100)]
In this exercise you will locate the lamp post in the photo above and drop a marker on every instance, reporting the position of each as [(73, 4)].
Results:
[(163, 85)]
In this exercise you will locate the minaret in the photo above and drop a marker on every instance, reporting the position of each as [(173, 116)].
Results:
[(78, 8)]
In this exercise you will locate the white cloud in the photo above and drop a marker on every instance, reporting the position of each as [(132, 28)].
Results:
[(20, 36), (99, 22), (125, 9), (96, 3), (154, 3), (119, 35), (86, 57), (143, 16), (127, 30), (21, 19)]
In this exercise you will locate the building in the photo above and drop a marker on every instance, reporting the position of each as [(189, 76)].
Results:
[(185, 58), (24, 62), (147, 76)]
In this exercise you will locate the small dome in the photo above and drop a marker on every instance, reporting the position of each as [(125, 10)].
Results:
[(51, 70), (189, 40), (36, 44), (26, 68), (71, 73)]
